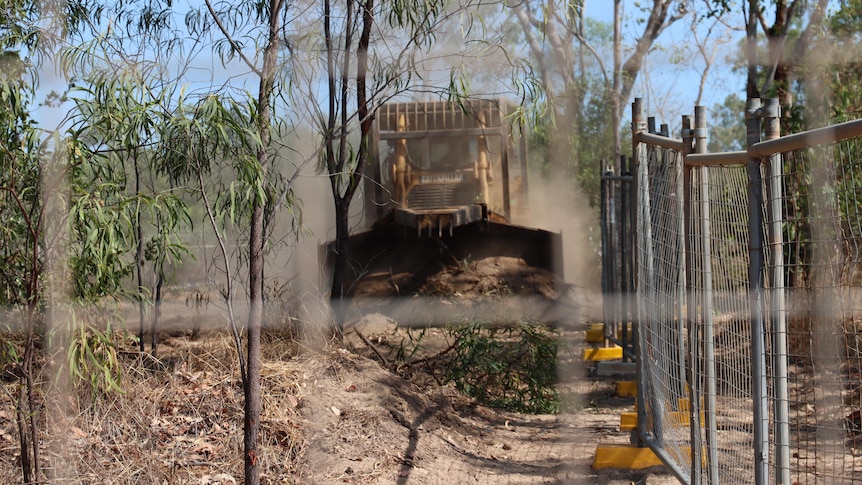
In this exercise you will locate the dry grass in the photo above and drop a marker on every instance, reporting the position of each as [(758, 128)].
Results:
[(179, 421)]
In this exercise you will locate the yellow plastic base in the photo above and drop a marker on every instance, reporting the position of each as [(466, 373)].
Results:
[(675, 419), (628, 421), (624, 456), (629, 332), (603, 353), (627, 389), (596, 333)]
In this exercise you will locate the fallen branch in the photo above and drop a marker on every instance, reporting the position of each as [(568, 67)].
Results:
[(372, 347)]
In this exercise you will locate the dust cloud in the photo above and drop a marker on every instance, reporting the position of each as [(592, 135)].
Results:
[(298, 262), (559, 205)]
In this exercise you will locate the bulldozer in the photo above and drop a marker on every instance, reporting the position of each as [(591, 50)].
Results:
[(446, 179)]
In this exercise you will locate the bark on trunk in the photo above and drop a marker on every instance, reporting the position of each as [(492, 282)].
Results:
[(256, 256)]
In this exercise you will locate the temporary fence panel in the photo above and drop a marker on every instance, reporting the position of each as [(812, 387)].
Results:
[(749, 303), (821, 223), (661, 303), (720, 346)]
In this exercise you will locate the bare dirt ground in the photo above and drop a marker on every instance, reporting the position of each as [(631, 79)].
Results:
[(340, 414)]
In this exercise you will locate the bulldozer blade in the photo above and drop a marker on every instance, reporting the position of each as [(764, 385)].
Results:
[(394, 248)]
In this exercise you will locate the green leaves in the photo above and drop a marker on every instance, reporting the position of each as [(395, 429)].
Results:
[(101, 239), (91, 358), (510, 367), (213, 129), (416, 15), (20, 197), (115, 138)]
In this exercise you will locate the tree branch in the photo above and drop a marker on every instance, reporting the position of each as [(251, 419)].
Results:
[(233, 43)]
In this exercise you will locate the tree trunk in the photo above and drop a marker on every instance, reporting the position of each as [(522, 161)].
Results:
[(342, 232), (615, 95), (21, 418), (255, 316), (256, 255), (337, 166), (139, 256), (157, 307)]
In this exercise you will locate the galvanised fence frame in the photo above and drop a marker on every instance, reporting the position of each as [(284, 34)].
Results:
[(748, 295), (618, 282)]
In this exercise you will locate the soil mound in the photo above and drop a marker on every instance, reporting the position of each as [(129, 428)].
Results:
[(495, 289), (501, 275)]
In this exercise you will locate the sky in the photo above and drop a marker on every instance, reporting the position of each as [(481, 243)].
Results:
[(670, 79)]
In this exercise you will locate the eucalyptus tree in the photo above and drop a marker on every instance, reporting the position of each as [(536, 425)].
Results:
[(204, 140), (253, 35), (131, 104), (779, 36), (788, 54), (116, 124), (567, 54), (29, 32), (349, 29), (21, 263), (186, 128)]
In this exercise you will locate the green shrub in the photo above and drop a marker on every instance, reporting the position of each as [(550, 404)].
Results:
[(509, 367)]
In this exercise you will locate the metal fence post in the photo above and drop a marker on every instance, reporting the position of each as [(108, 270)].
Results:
[(682, 320), (608, 253), (691, 304), (706, 313), (638, 126), (612, 319), (755, 280), (777, 310), (617, 249), (630, 261), (625, 251)]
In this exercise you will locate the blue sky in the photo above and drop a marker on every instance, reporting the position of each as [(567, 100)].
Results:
[(671, 76)]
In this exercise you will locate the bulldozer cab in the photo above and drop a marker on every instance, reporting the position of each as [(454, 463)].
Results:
[(436, 153), (444, 160)]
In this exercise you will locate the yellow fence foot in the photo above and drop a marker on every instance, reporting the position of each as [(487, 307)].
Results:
[(624, 456), (628, 331), (603, 353), (627, 389), (674, 419), (596, 333), (628, 421)]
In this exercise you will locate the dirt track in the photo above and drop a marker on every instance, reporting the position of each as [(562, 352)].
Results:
[(330, 416), (438, 436)]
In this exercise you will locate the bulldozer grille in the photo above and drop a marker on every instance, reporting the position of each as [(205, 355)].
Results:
[(433, 116), (435, 196)]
